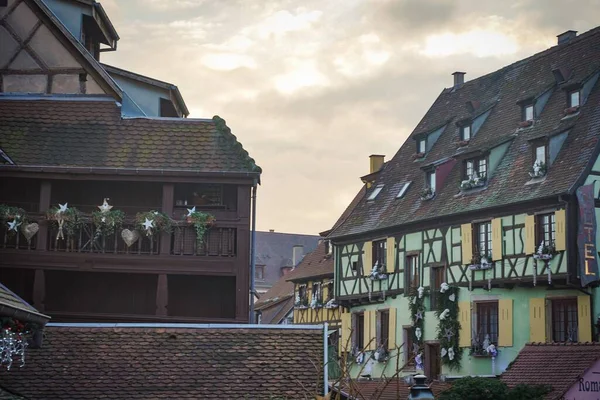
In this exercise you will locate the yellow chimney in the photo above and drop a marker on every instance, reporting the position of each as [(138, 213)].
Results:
[(376, 162)]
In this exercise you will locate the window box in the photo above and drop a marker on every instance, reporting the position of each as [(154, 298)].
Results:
[(376, 274), (427, 194), (525, 124), (331, 304), (538, 169), (418, 155), (473, 182), (545, 252), (481, 262), (463, 143), (315, 303), (571, 110)]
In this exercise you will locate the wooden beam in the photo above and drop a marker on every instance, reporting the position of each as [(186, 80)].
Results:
[(45, 195), (168, 195), (162, 295)]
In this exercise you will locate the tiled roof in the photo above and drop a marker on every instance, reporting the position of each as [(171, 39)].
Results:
[(13, 305), (499, 92), (275, 312), (392, 389), (316, 264), (557, 365), (169, 363), (71, 133)]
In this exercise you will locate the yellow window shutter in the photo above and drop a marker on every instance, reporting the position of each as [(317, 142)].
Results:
[(584, 320), (345, 341), (505, 321), (391, 254), (392, 329), (464, 309), (497, 239), (367, 257), (560, 240), (530, 234), (537, 320), (467, 244), (370, 330)]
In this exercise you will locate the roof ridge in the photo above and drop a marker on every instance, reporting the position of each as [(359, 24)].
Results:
[(224, 130)]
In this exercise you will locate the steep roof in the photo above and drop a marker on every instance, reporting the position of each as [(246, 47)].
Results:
[(117, 361), (317, 264), (499, 92), (13, 306), (558, 365), (92, 134)]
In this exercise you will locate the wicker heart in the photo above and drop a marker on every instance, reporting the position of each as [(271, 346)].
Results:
[(129, 237), (30, 230)]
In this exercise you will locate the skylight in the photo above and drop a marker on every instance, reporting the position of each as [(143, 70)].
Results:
[(403, 190), (375, 192)]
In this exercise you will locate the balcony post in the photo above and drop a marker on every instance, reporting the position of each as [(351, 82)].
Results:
[(162, 295), (167, 207), (39, 290), (45, 192)]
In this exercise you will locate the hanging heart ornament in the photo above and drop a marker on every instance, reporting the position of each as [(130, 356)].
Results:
[(129, 237), (30, 230)]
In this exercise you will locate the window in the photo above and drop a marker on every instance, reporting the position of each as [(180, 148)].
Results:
[(375, 192), (317, 293), (355, 267), (379, 253), (422, 145), (411, 274), (564, 320), (403, 190), (574, 99), (478, 165), (431, 181), (546, 231), (330, 292), (259, 272), (409, 360), (358, 331), (465, 133), (383, 318), (484, 239), (328, 247), (541, 154), (528, 112), (487, 322), (438, 276), (302, 295)]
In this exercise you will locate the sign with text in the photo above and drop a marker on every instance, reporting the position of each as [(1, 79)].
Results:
[(586, 237), (586, 387)]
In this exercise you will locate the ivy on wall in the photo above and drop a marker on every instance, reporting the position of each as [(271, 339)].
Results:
[(449, 326), (417, 315)]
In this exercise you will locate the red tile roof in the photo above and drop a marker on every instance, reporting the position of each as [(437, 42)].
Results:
[(71, 133), (169, 363), (558, 365), (317, 264), (392, 389)]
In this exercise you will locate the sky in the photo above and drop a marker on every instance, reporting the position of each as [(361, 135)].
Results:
[(311, 88)]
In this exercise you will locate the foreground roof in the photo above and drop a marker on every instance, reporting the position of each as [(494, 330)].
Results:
[(557, 365), (12, 305), (499, 93), (118, 361), (391, 389), (78, 132)]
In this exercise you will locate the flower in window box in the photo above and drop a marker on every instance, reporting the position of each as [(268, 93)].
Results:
[(474, 181), (418, 155), (427, 194), (315, 303), (525, 124), (571, 110), (462, 143), (538, 169), (545, 252), (481, 262)]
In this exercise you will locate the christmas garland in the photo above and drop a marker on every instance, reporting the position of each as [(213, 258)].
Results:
[(107, 222), (13, 217), (201, 221), (153, 221), (65, 219), (417, 315), (449, 326)]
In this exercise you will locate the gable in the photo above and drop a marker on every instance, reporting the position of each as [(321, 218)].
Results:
[(38, 58), (586, 387)]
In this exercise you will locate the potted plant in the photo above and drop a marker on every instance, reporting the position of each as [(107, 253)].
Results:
[(427, 194), (538, 169), (545, 252), (376, 274), (474, 181), (481, 261), (201, 221), (12, 218), (153, 221)]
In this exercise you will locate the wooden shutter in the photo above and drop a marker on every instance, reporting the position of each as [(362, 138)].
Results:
[(584, 320), (390, 262), (345, 341), (560, 240), (497, 239), (529, 234), (367, 258), (392, 329), (464, 309), (466, 231), (505, 321), (537, 320), (370, 330)]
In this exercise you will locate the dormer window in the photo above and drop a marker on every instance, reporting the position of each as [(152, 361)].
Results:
[(574, 99), (527, 112), (474, 173), (431, 181), (540, 159), (465, 133), (422, 146), (375, 192), (403, 190)]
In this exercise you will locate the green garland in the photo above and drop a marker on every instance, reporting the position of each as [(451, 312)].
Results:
[(201, 222), (10, 214), (107, 222), (449, 327), (417, 316), (162, 222), (71, 217)]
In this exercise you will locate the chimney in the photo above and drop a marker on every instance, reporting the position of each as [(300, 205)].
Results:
[(285, 270), (376, 162), (566, 36), (459, 79), (271, 230), (297, 253)]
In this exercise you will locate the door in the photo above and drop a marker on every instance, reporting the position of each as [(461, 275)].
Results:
[(433, 362)]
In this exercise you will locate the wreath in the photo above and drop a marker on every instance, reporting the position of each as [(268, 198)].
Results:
[(107, 222), (449, 326), (71, 220), (153, 221), (13, 217)]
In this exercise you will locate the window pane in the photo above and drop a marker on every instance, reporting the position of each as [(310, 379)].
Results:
[(482, 168), (574, 99), (403, 189), (422, 145), (432, 181), (466, 133), (469, 168), (375, 192), (540, 154), (529, 113)]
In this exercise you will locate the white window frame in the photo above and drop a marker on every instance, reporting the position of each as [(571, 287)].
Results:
[(375, 192), (403, 190)]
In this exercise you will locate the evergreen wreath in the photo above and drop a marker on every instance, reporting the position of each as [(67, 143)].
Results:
[(417, 316), (72, 220), (160, 222), (107, 222), (449, 326), (10, 214)]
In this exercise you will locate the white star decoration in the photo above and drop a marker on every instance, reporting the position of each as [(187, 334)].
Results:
[(148, 224), (191, 211), (62, 207), (105, 207), (12, 226)]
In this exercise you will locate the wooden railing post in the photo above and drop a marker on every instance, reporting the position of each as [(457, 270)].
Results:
[(42, 235), (167, 207), (162, 295)]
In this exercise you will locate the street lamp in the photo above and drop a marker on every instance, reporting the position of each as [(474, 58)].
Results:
[(420, 390)]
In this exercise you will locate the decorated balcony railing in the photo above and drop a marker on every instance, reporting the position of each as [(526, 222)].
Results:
[(217, 241), (24, 238)]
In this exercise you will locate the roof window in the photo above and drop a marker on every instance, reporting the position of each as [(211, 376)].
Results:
[(375, 192), (574, 98), (403, 190)]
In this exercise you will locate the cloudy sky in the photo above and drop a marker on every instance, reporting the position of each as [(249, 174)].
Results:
[(311, 88)]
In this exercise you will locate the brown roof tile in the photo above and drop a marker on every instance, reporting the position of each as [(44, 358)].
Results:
[(93, 134), (557, 365), (169, 363), (499, 91), (317, 264)]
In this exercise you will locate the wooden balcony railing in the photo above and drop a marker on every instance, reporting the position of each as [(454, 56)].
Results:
[(16, 240), (217, 242)]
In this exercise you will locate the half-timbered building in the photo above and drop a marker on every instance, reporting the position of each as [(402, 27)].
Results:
[(113, 206), (479, 235)]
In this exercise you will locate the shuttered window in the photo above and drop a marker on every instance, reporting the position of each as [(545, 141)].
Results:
[(564, 320), (383, 318), (359, 331), (546, 229), (487, 322)]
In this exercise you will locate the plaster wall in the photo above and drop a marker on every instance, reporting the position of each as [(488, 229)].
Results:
[(147, 97), (70, 14)]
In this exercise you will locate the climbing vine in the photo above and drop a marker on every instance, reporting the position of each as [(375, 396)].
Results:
[(417, 315), (449, 326)]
